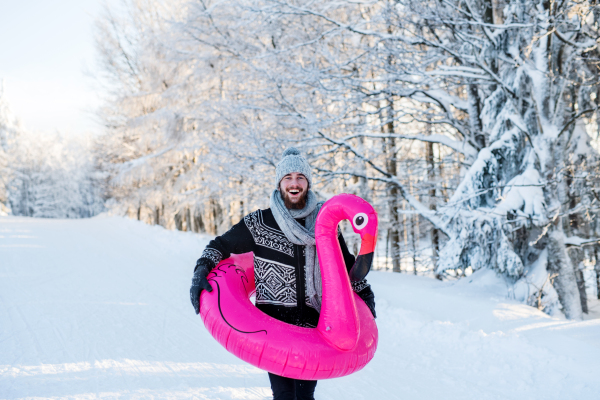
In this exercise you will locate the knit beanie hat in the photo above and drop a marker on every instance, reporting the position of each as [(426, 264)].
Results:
[(292, 161)]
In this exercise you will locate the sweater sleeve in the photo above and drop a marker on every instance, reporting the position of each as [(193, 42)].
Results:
[(349, 258), (236, 240)]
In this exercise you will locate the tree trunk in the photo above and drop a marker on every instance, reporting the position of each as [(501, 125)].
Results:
[(416, 237), (188, 220), (565, 283), (576, 256), (217, 214), (178, 221), (395, 249), (387, 248), (405, 226), (393, 192), (435, 240), (413, 240), (157, 216), (199, 222), (474, 116), (26, 210), (498, 6), (597, 268), (570, 226)]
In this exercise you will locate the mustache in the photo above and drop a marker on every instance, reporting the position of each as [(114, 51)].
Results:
[(300, 202)]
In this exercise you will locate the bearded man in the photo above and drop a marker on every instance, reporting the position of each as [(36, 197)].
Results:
[(286, 268)]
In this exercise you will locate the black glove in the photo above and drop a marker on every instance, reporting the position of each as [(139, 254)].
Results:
[(369, 298), (199, 282)]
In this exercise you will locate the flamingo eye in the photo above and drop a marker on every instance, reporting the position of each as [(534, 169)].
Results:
[(360, 220)]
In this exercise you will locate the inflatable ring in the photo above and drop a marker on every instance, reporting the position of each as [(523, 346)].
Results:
[(345, 338)]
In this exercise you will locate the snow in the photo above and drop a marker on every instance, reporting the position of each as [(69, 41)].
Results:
[(99, 308), (524, 193), (536, 281), (581, 142), (578, 241)]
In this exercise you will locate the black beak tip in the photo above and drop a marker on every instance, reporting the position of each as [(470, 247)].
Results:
[(361, 267)]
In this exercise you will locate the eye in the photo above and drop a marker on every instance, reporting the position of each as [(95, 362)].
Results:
[(360, 220)]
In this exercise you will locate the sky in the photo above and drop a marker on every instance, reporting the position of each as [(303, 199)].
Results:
[(45, 49)]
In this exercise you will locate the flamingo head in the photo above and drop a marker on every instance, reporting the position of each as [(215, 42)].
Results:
[(364, 222), (363, 218)]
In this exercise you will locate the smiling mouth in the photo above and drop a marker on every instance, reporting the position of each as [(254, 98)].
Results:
[(294, 192)]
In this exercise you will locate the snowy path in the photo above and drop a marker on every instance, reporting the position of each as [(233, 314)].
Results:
[(99, 308)]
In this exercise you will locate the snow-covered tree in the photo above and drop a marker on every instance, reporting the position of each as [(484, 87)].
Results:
[(466, 122), (511, 85), (182, 149), (46, 176), (55, 177), (9, 133)]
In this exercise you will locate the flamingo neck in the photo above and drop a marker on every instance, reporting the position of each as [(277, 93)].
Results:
[(338, 322)]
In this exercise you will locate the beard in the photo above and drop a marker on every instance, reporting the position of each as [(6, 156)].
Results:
[(289, 204)]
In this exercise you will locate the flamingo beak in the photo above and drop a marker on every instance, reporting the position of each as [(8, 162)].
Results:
[(367, 243), (364, 261)]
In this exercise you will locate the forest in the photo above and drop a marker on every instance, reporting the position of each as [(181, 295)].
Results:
[(471, 125)]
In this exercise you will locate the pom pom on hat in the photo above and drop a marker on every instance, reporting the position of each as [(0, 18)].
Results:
[(292, 161), (291, 151)]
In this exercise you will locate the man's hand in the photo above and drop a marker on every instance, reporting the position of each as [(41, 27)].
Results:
[(199, 283), (371, 304), (368, 297)]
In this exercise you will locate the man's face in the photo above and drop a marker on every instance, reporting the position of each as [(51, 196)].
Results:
[(294, 189)]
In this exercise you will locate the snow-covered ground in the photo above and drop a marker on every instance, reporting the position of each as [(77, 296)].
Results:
[(99, 308)]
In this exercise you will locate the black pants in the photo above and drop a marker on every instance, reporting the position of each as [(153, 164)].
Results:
[(292, 389)]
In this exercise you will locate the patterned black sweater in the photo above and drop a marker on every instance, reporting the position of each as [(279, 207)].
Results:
[(279, 267)]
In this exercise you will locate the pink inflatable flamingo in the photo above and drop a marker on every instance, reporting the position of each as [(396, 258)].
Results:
[(345, 339)]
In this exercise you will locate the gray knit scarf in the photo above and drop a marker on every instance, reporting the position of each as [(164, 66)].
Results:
[(303, 236)]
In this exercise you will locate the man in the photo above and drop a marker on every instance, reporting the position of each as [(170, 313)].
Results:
[(286, 268)]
